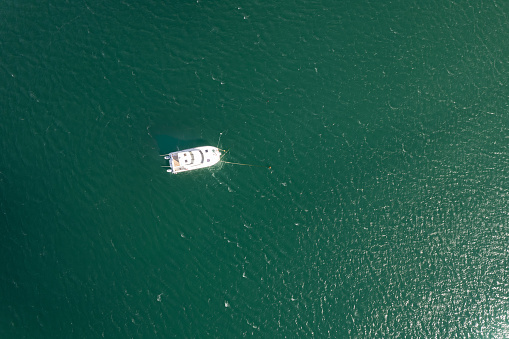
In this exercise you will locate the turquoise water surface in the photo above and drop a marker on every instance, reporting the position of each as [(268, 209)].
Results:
[(384, 213)]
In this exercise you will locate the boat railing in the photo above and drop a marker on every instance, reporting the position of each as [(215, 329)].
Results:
[(179, 169)]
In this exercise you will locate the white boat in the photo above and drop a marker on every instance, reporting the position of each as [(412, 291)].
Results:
[(193, 158)]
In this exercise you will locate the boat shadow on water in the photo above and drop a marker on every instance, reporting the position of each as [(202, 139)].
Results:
[(167, 143)]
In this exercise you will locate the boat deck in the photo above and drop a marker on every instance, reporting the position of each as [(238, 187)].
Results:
[(194, 158), (176, 162)]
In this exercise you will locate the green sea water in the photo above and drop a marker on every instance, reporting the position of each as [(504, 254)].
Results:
[(384, 214)]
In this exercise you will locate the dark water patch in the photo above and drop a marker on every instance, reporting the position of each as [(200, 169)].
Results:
[(167, 144)]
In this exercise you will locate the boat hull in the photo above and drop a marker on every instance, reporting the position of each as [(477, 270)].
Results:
[(193, 158)]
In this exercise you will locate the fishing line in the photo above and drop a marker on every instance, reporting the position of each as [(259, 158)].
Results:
[(238, 163)]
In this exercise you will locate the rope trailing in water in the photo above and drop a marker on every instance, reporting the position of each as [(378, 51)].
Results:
[(224, 152), (237, 163)]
